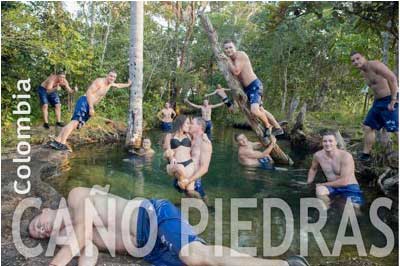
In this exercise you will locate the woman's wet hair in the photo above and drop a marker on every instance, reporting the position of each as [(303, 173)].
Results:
[(178, 123)]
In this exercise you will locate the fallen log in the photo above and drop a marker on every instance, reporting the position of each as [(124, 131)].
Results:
[(237, 91)]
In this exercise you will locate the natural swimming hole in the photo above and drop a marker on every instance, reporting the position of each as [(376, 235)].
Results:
[(137, 177)]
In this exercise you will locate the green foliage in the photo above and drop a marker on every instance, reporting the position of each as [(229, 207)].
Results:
[(309, 40)]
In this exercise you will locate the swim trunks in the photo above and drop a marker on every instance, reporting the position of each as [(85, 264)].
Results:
[(379, 116), (266, 163), (166, 126), (48, 98), (81, 112), (171, 227), (352, 191), (254, 91), (208, 129), (227, 102), (198, 186)]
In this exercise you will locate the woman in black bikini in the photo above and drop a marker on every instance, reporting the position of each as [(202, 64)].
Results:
[(178, 152)]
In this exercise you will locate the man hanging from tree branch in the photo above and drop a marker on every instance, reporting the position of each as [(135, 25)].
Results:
[(240, 66)]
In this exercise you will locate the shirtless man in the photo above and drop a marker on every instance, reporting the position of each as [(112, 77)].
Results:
[(81, 232), (384, 111), (201, 155), (338, 167), (166, 116), (145, 150), (221, 93), (84, 108), (205, 113), (48, 95), (240, 66), (249, 156)]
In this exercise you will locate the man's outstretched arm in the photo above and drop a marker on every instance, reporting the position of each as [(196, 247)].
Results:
[(313, 170), (122, 85), (192, 104)]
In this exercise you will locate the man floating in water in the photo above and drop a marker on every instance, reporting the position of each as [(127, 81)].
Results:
[(48, 95), (249, 156), (166, 116), (206, 110), (338, 167), (384, 111), (84, 108), (132, 227)]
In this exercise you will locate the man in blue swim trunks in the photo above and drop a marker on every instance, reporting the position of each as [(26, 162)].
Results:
[(166, 116), (384, 112), (96, 220), (240, 66), (84, 108), (48, 95), (338, 167), (248, 154)]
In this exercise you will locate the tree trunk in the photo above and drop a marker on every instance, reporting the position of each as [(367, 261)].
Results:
[(237, 91), (283, 106), (321, 97), (135, 115), (92, 24), (108, 30), (294, 103)]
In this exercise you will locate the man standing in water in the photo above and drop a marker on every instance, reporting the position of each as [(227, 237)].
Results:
[(48, 95), (166, 116), (240, 66), (201, 155), (84, 108), (384, 111), (338, 167), (129, 225), (205, 113)]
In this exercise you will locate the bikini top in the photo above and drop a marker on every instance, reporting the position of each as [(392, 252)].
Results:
[(175, 143)]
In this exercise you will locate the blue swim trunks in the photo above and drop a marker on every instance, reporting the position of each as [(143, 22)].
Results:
[(352, 191), (48, 98), (171, 227), (208, 129), (197, 187), (254, 91), (379, 116), (81, 112), (166, 126), (266, 163)]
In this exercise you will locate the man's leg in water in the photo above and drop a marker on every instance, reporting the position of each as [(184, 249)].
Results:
[(66, 131), (200, 254), (369, 139), (255, 110)]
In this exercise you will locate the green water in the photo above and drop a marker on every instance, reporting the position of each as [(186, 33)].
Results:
[(226, 179)]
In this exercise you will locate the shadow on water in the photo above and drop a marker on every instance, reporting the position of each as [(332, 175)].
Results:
[(131, 177)]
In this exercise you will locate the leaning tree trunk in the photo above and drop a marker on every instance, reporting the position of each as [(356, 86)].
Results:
[(238, 94), (135, 115)]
